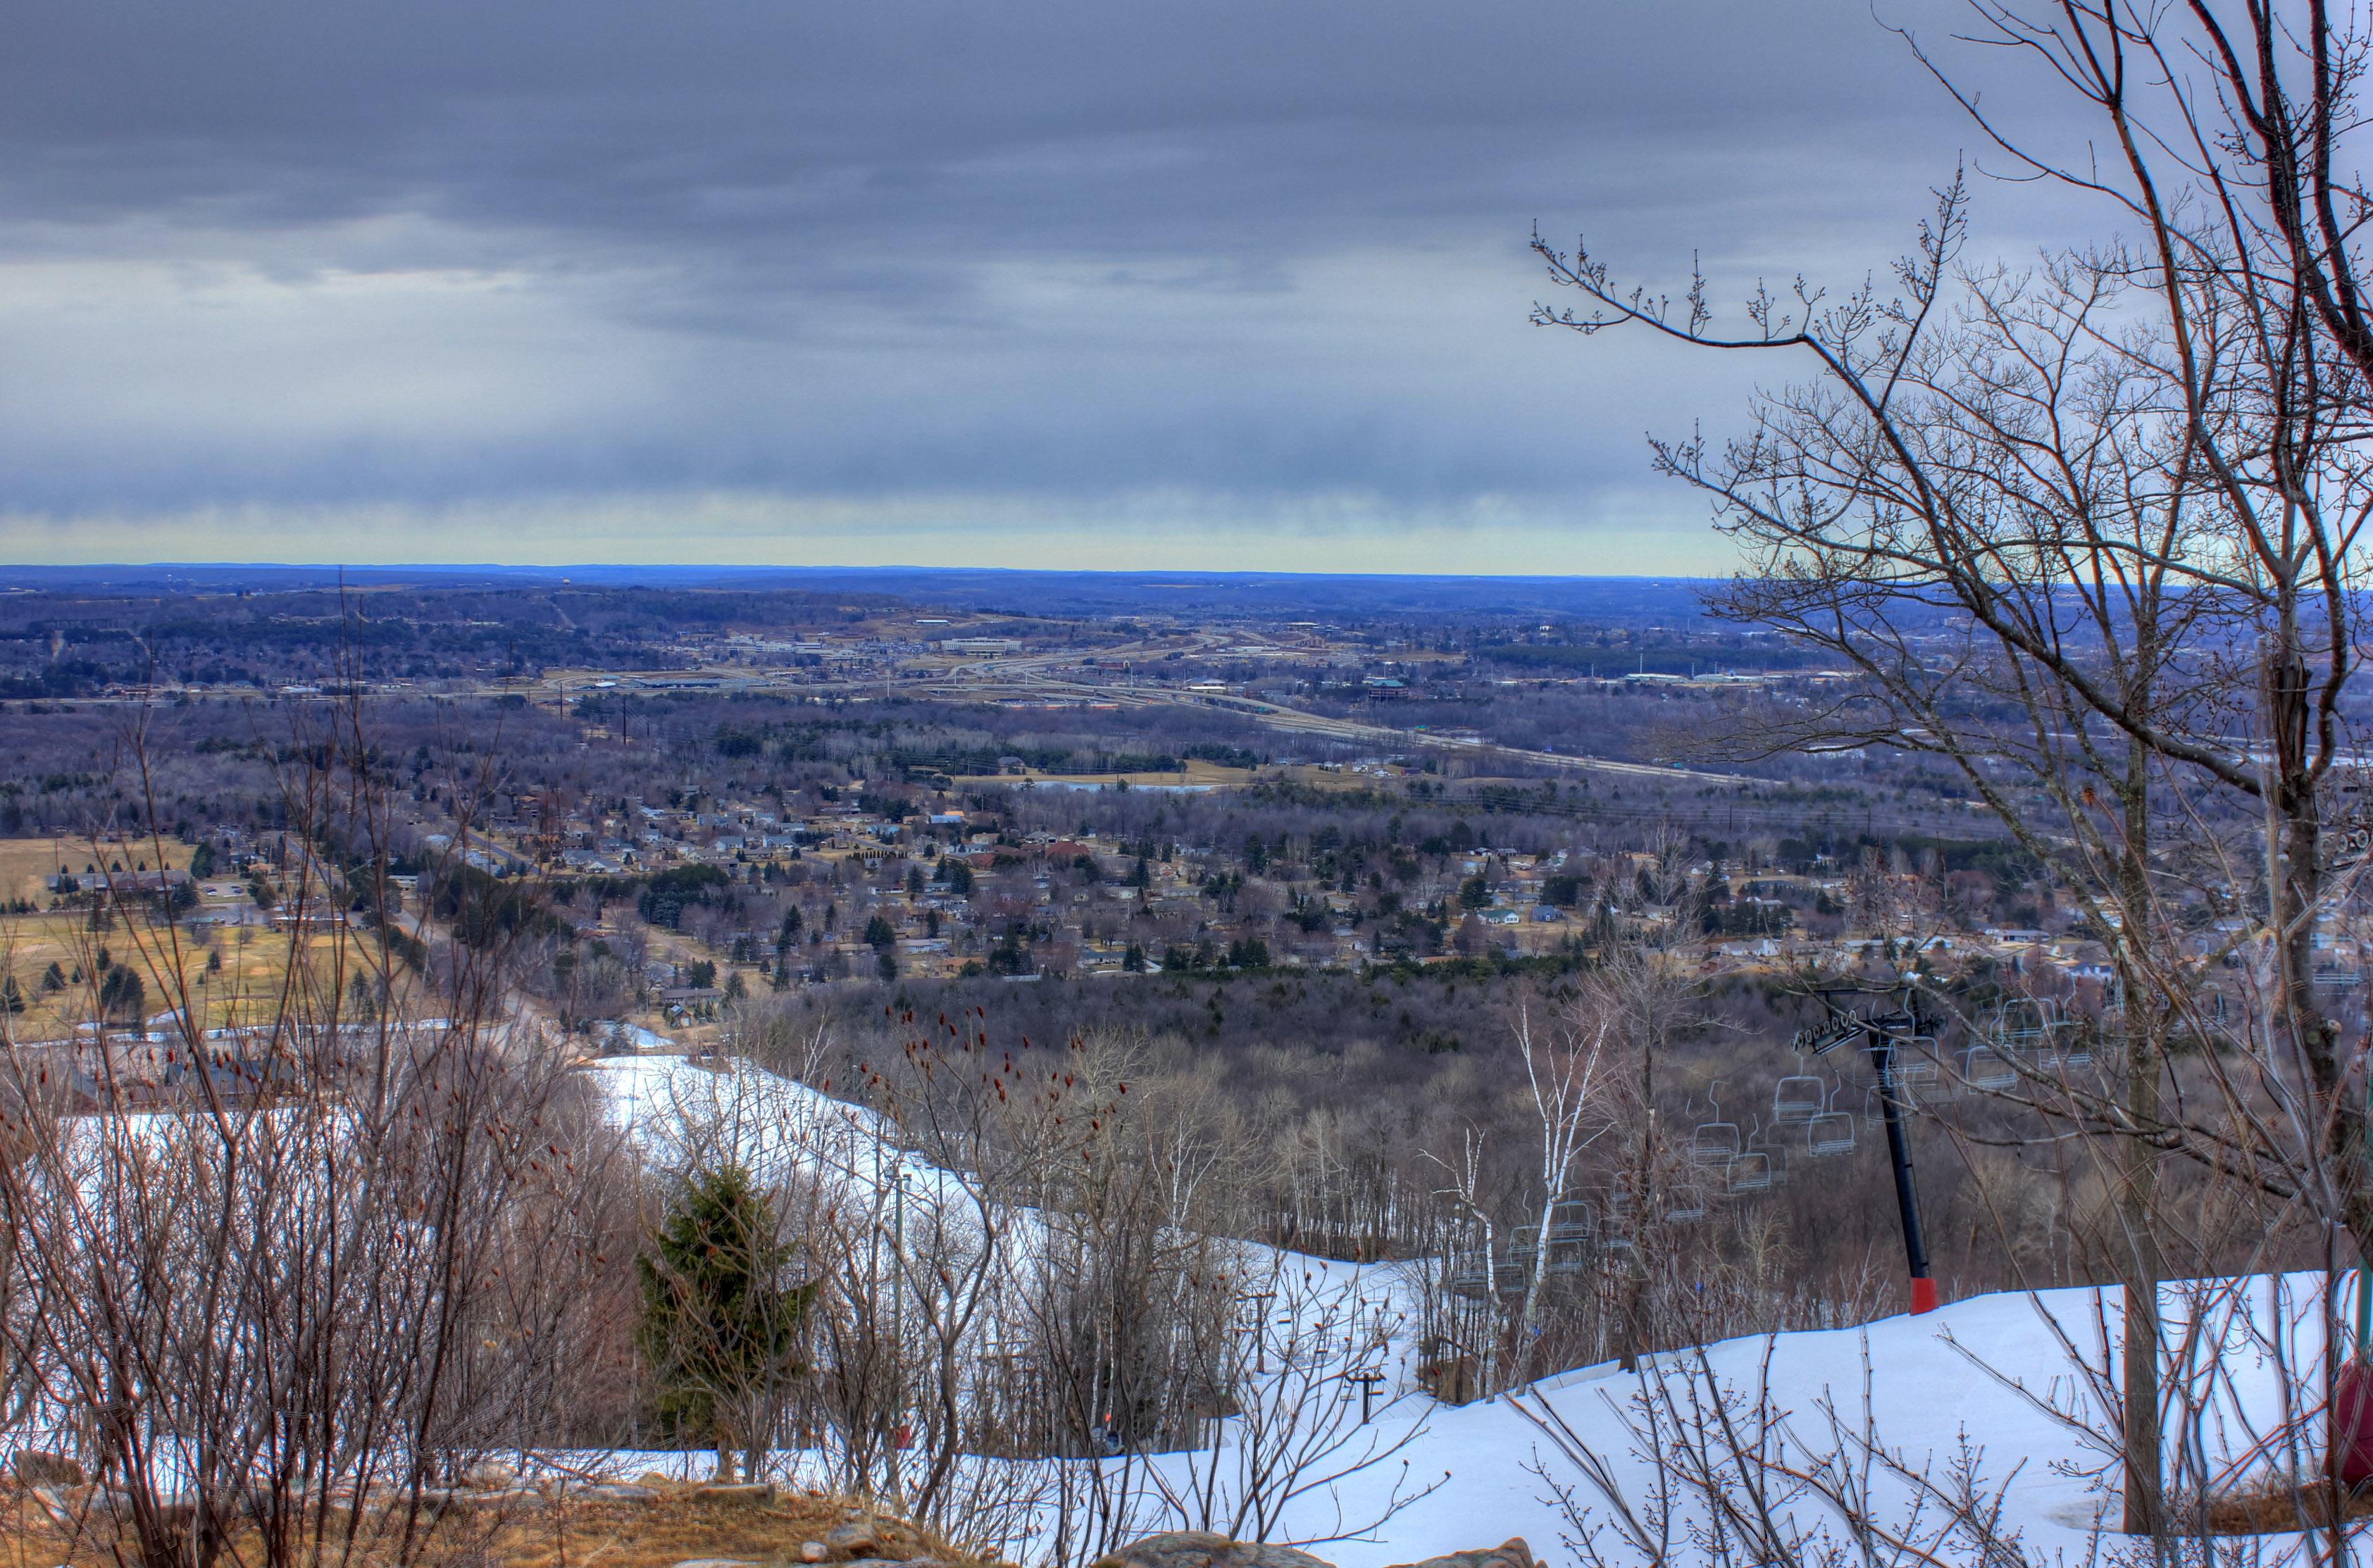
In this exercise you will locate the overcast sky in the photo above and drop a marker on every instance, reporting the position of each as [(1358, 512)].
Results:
[(1118, 284)]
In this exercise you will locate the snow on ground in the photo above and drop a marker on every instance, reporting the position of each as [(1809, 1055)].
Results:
[(673, 1106), (1925, 1396), (1997, 1376)]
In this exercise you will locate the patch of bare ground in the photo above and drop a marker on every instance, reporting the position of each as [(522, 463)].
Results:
[(73, 1527), (2279, 1508)]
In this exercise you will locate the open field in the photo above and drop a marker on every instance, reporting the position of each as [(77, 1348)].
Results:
[(1195, 774), (26, 863), (233, 975)]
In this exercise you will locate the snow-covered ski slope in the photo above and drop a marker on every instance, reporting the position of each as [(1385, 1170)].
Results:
[(1926, 1388), (2010, 1381)]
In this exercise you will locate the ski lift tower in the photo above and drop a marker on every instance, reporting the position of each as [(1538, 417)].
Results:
[(1882, 1034)]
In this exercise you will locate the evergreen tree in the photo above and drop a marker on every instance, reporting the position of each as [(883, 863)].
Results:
[(720, 1330), (121, 996)]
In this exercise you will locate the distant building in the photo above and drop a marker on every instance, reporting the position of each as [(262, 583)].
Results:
[(119, 882)]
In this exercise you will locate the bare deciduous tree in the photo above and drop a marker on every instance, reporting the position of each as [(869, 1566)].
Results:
[(2123, 492)]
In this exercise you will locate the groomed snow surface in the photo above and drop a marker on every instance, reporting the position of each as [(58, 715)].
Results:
[(2001, 1380)]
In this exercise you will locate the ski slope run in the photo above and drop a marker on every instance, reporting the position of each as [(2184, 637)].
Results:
[(2010, 1391)]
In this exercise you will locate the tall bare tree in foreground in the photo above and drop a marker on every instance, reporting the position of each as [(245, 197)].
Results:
[(2123, 492)]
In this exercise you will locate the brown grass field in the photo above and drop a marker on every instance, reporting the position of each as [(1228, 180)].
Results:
[(1197, 771), (25, 862), (247, 987)]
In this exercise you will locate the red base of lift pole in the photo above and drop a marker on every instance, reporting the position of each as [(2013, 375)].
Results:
[(1924, 1297)]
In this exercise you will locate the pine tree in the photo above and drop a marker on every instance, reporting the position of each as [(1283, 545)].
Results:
[(720, 1326), (121, 996)]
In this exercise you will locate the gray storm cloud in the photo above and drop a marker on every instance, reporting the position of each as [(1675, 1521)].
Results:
[(452, 257)]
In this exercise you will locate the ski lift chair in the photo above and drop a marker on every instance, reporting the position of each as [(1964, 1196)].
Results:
[(1873, 1103), (2017, 1024), (1751, 1172), (1831, 1132), (1571, 1221), (1715, 1143), (1915, 1059), (2049, 1053), (1984, 1067), (1571, 1234), (1615, 1234), (1774, 1156), (2076, 1046), (1470, 1275), (1799, 1098)]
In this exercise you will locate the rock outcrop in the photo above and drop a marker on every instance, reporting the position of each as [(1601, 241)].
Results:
[(1202, 1548), (1510, 1554)]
